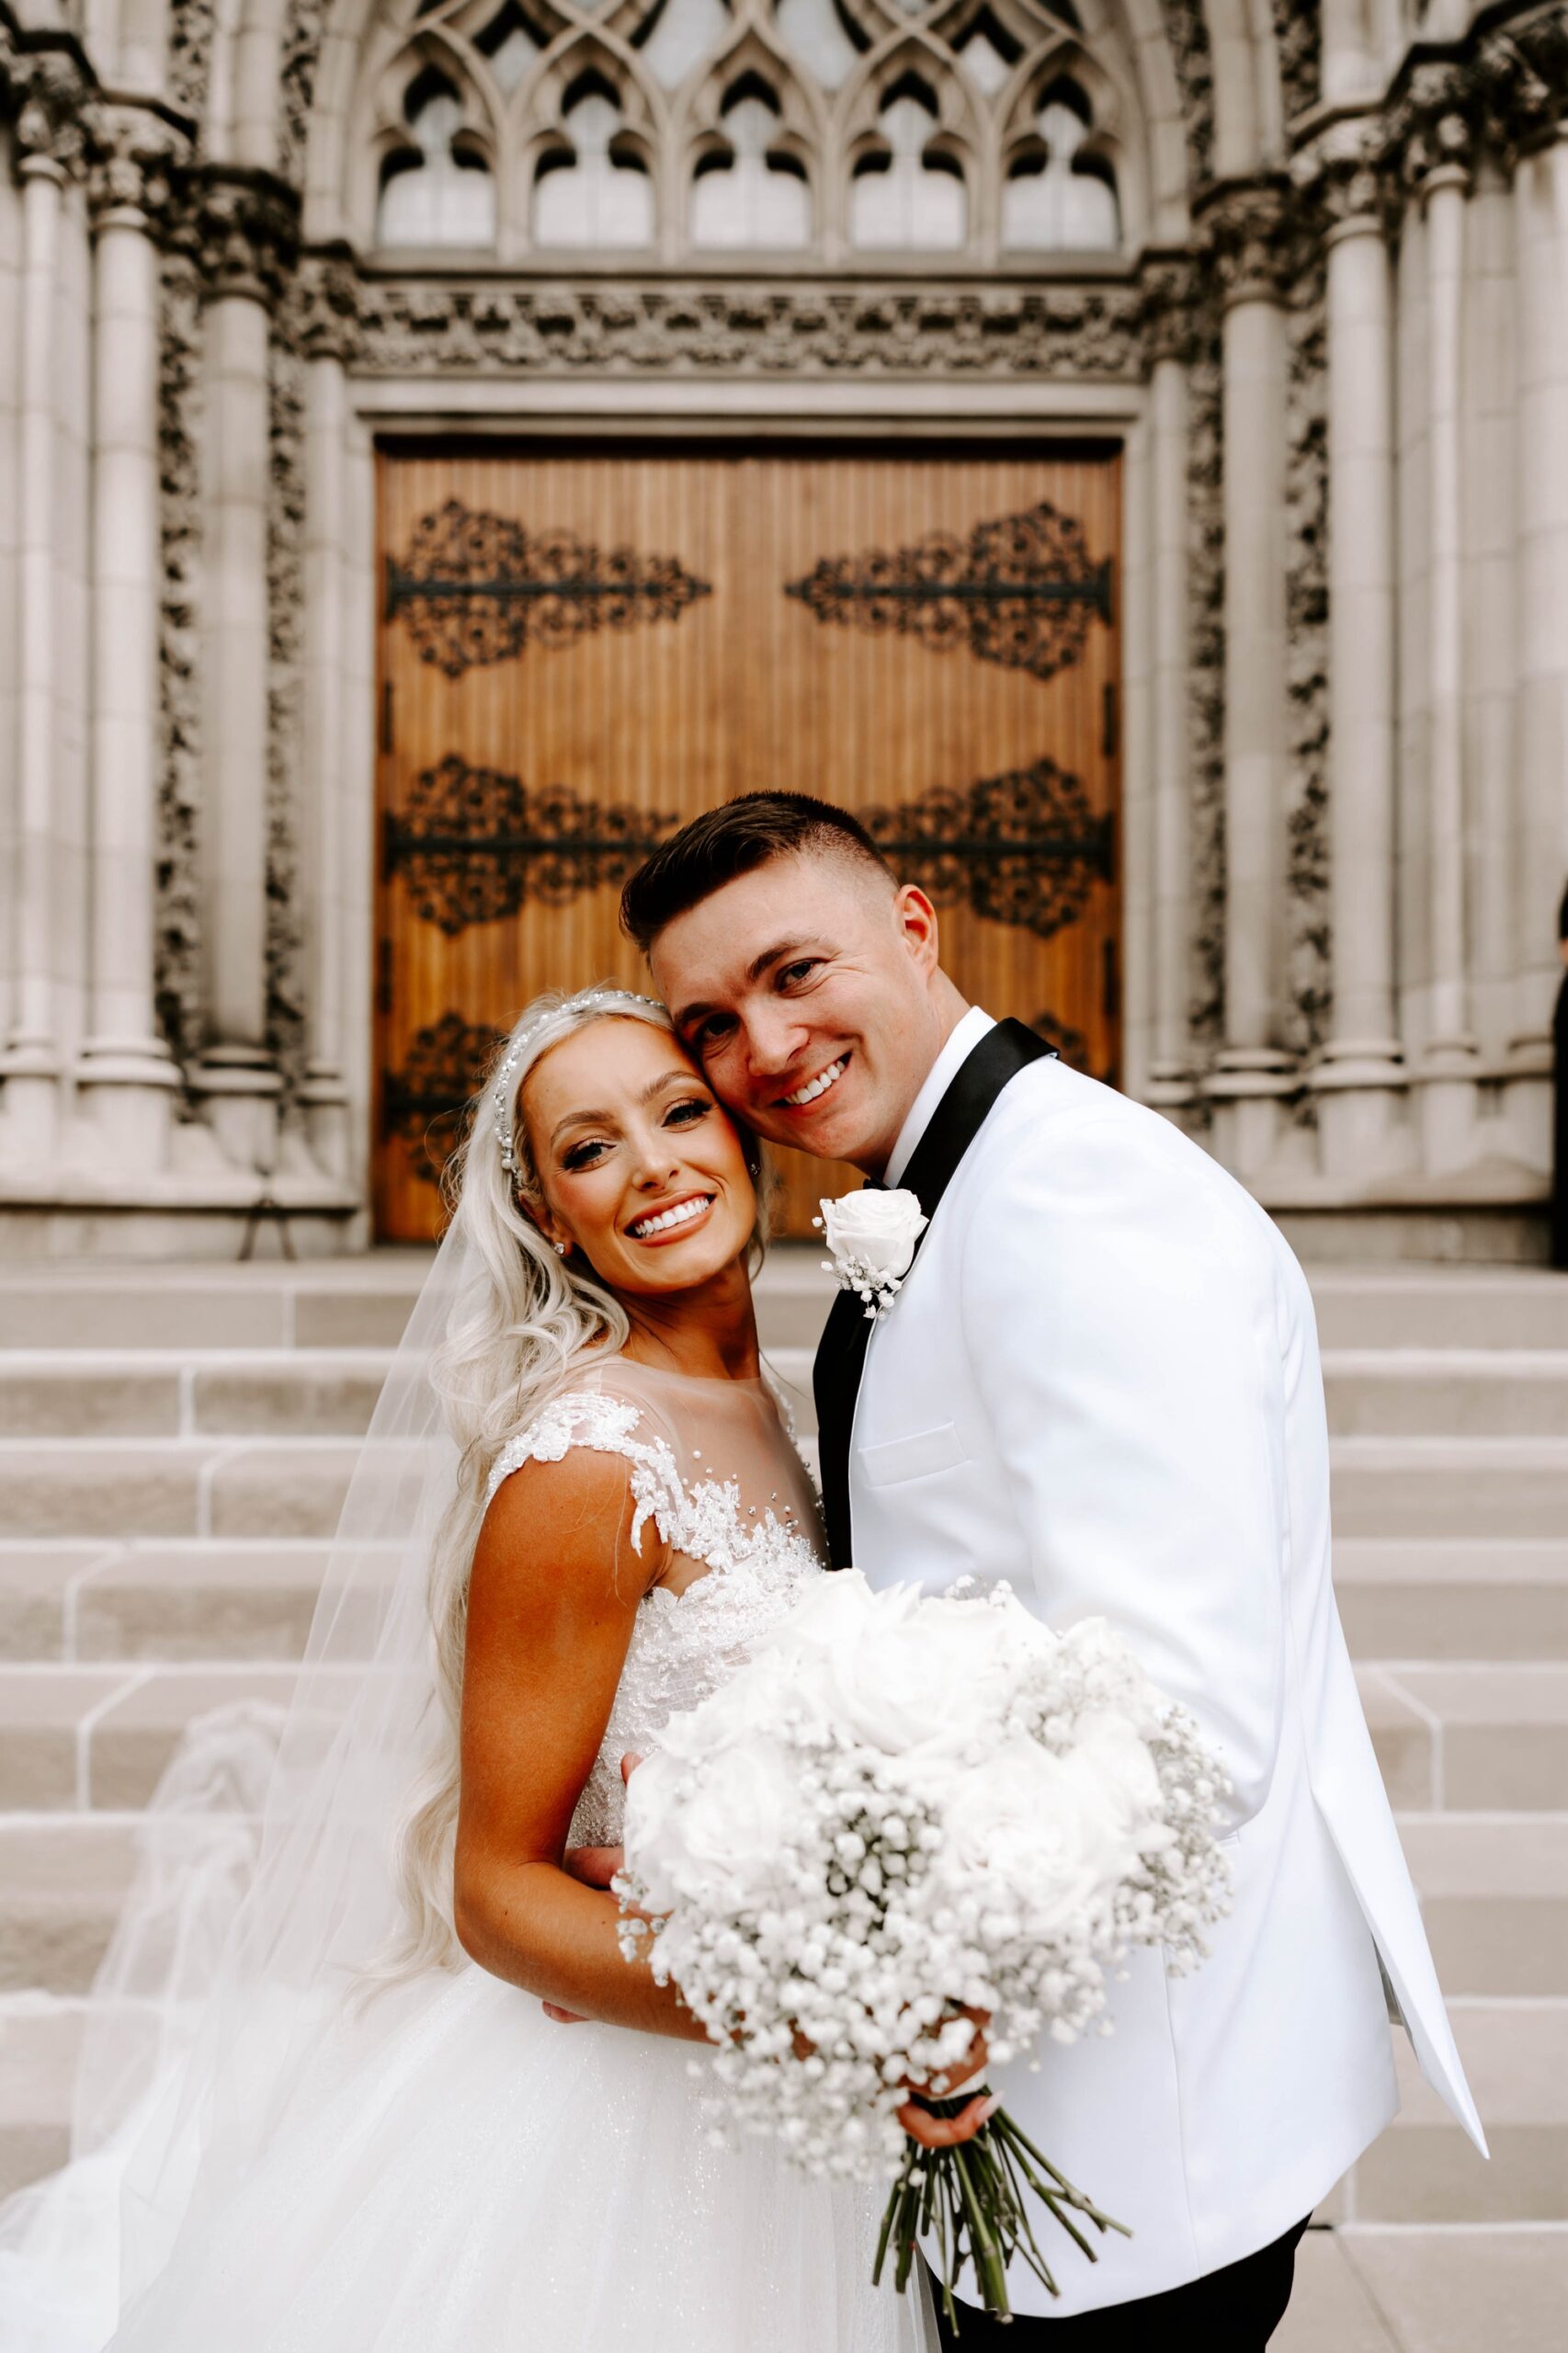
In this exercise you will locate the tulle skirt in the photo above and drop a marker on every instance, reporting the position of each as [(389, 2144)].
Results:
[(468, 2176)]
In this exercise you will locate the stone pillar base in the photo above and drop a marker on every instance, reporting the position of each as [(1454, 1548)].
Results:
[(127, 1094), (325, 1102), (1448, 1096), (1247, 1088), (29, 1107), (238, 1089), (1362, 1108)]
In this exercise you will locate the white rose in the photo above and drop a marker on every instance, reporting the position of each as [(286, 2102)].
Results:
[(1112, 1768), (879, 1228), (717, 1837), (1035, 1830), (893, 1669)]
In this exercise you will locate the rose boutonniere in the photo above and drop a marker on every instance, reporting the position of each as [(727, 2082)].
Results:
[(873, 1236)]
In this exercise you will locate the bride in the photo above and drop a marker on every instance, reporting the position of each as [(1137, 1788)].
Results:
[(421, 2103)]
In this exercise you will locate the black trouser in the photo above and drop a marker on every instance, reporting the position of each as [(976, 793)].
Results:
[(1233, 2311)]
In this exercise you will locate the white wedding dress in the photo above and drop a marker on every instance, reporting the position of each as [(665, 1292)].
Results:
[(453, 2171)]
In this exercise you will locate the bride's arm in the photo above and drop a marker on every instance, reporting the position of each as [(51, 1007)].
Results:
[(552, 1599)]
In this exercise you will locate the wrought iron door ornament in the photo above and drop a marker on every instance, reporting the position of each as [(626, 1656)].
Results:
[(477, 844), (1020, 591), (1022, 849), (424, 1101), (478, 588)]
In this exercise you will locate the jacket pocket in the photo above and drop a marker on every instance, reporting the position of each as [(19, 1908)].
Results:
[(916, 1457)]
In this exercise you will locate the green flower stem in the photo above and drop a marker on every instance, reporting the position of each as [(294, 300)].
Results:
[(971, 2197)]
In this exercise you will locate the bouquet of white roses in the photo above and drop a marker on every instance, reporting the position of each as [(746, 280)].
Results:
[(902, 1814)]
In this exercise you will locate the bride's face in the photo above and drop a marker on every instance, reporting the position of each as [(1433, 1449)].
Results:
[(640, 1167)]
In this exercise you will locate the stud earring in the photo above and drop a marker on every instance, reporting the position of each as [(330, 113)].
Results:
[(561, 1249)]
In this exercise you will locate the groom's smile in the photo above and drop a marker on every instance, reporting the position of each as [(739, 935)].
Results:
[(815, 1089)]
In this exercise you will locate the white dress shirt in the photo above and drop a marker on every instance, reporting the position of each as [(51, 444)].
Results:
[(938, 1078)]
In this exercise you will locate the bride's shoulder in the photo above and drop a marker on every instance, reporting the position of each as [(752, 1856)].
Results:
[(602, 1411)]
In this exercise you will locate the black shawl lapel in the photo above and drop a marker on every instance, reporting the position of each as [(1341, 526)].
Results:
[(841, 1354)]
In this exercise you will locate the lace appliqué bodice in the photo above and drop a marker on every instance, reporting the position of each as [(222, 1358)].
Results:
[(684, 1644)]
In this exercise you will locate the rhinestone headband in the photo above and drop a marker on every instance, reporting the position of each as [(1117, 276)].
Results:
[(589, 1001)]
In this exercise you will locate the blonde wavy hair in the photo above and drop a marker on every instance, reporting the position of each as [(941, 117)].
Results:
[(536, 1317)]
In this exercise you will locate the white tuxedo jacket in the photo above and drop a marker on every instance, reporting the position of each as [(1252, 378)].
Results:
[(1100, 1381)]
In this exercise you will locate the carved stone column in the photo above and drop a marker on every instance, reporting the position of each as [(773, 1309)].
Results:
[(1246, 228), (330, 335), (51, 152), (248, 228), (1450, 1061), (1540, 219), (1361, 1078), (127, 1075), (1170, 1068), (11, 281)]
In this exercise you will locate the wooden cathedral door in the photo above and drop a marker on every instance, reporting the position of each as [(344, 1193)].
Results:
[(581, 647)]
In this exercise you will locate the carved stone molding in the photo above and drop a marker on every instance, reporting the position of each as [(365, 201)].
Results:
[(135, 165), (1297, 40), (1186, 32), (177, 971), (1246, 230), (1520, 79), (327, 306), (1206, 676), (54, 94), (1168, 287), (1307, 518), (1342, 173), (422, 328), (247, 225), (191, 26), (287, 983), (303, 31)]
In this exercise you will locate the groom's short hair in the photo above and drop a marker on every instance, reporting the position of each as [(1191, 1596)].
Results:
[(735, 839)]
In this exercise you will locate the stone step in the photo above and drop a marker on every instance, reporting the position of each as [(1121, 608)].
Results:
[(78, 1739), (1423, 2170), (1469, 1739), (1491, 1487), (1428, 2288), (1449, 1739), (364, 1302), (1493, 1890), (1447, 1392), (117, 1488), (1474, 1598), (194, 1597), (167, 1486), (180, 1598), (1439, 1307), (279, 1392), (321, 1303), (168, 1392)]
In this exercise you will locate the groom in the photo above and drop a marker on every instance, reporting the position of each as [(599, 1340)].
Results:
[(1100, 1381)]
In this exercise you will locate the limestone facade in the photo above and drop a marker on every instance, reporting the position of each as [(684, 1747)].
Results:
[(1308, 264)]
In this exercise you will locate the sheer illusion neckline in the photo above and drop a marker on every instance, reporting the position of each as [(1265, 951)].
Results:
[(673, 1372)]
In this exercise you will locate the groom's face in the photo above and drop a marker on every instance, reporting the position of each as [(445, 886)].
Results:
[(804, 991)]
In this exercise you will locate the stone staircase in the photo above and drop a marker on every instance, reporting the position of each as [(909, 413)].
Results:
[(174, 1444)]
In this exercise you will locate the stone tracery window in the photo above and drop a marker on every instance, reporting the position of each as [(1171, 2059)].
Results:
[(962, 129)]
